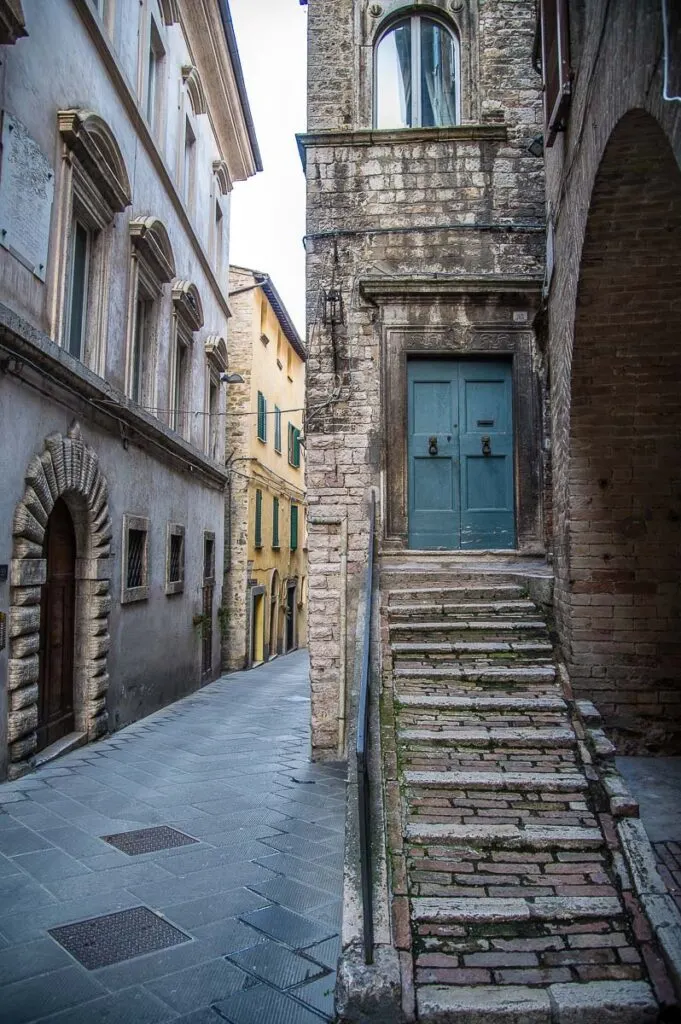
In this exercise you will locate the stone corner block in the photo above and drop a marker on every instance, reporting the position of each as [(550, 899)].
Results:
[(483, 1004), (369, 993), (28, 572), (603, 1002), (94, 568)]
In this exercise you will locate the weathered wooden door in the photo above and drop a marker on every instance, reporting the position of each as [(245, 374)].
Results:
[(57, 629), (291, 617), (460, 454)]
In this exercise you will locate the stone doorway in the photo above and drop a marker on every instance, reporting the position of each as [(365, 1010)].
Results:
[(57, 629), (619, 554), (67, 471)]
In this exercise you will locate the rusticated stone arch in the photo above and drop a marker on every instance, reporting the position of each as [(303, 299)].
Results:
[(67, 468)]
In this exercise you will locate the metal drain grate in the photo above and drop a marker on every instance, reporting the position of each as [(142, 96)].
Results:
[(149, 840), (108, 940)]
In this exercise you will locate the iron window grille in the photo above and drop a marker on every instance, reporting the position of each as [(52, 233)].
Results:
[(175, 559), (135, 574)]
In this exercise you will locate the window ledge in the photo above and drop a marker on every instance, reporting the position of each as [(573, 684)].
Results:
[(401, 136), (177, 587), (131, 594)]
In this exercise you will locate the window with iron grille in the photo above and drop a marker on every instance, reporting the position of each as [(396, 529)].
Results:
[(135, 575), (262, 417), (275, 522), (258, 519), (208, 556), (175, 559), (294, 527)]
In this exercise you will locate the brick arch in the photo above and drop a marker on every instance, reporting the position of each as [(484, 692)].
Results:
[(622, 560), (67, 468)]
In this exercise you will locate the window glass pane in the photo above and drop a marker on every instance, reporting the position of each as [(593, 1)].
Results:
[(438, 75), (78, 289), (393, 78)]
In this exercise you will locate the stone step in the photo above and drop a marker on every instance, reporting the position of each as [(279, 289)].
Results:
[(593, 1002), (506, 837), (479, 704), (526, 738), (498, 910), (465, 630), (544, 782), (459, 610), (494, 675), (482, 651), (457, 593)]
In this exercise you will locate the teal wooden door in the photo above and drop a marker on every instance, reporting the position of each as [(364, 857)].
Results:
[(460, 454)]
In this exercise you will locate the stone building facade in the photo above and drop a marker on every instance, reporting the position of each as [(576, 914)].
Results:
[(425, 250), (614, 214), (265, 583), (124, 125)]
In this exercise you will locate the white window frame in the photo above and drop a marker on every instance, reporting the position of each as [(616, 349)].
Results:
[(415, 20)]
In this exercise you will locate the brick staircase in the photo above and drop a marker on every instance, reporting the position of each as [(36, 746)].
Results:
[(502, 886)]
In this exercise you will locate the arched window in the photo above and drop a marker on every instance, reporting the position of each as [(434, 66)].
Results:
[(416, 83)]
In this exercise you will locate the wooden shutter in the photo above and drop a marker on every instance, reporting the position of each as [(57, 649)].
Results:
[(275, 522), (262, 417), (277, 428), (294, 527), (258, 519), (555, 48)]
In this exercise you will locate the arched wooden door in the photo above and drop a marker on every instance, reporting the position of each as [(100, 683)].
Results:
[(57, 617)]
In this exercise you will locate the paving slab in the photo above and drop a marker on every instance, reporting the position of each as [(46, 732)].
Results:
[(228, 766)]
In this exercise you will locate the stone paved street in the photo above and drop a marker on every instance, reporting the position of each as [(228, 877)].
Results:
[(254, 903)]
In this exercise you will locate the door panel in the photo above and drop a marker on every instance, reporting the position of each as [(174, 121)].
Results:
[(460, 454), (433, 474), (57, 630)]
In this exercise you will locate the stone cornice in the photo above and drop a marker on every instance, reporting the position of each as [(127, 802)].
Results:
[(426, 287), (400, 136), (12, 22), (95, 145), (34, 350), (227, 108)]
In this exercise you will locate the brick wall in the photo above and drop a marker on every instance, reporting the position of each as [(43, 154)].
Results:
[(614, 189)]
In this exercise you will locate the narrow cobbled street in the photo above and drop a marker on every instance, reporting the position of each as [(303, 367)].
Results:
[(226, 907)]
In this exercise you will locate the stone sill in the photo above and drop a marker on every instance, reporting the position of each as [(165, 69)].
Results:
[(427, 287), (400, 136)]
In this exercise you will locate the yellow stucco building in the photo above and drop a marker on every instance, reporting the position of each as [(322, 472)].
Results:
[(266, 563)]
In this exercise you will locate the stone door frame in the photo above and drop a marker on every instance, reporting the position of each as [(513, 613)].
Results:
[(438, 322), (67, 468)]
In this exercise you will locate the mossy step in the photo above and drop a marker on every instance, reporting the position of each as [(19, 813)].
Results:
[(506, 837), (473, 609), (493, 704), (473, 647), (467, 591), (493, 674), (491, 737), (499, 910), (544, 782)]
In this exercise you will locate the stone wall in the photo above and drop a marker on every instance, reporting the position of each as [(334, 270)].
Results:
[(429, 206), (614, 193)]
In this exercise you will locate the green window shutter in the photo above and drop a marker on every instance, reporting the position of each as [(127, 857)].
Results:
[(258, 519), (294, 527), (275, 522), (262, 417), (296, 447), (277, 428)]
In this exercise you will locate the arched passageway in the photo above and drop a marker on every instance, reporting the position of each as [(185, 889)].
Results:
[(624, 636)]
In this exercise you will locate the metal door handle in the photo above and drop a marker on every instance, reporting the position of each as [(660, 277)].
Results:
[(486, 444), (432, 445)]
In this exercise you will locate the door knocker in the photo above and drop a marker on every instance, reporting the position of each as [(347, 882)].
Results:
[(486, 445), (432, 445)]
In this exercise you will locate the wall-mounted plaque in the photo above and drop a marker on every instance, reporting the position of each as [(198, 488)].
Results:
[(26, 194)]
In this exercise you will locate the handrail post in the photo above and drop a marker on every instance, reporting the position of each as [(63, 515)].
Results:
[(363, 790)]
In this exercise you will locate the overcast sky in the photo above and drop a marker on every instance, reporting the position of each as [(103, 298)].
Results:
[(268, 211)]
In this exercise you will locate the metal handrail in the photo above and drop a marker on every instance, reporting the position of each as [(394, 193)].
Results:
[(363, 794)]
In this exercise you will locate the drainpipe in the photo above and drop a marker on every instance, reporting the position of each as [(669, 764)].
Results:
[(342, 666)]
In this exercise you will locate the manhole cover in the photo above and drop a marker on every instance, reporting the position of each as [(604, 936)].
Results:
[(149, 840), (108, 940)]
